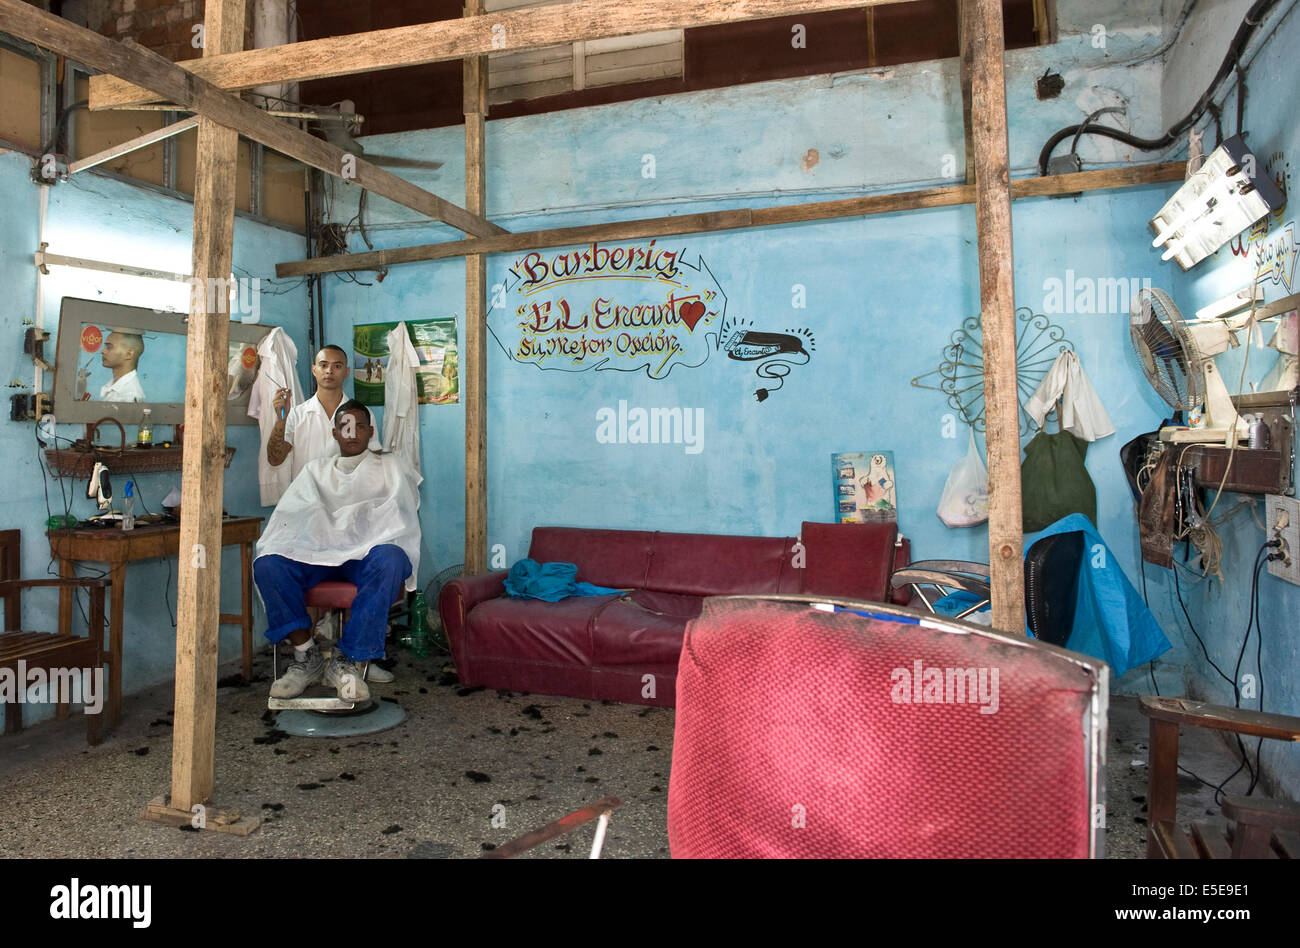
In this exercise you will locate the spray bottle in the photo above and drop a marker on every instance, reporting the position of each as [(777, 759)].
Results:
[(128, 507)]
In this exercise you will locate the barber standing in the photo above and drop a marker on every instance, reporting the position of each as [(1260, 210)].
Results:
[(307, 432)]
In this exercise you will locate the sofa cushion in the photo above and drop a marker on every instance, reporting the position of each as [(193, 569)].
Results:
[(853, 560), (704, 564), (532, 630), (618, 558), (632, 633)]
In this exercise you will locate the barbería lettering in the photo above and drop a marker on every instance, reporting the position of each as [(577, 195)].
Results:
[(935, 685), (103, 901), (25, 685), (647, 262)]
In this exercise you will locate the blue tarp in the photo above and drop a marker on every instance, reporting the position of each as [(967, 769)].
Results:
[(550, 582), (1111, 622)]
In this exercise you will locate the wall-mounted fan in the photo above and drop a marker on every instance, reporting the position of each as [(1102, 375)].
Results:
[(1177, 356)]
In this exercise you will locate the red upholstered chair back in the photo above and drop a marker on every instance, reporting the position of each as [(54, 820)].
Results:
[(803, 733)]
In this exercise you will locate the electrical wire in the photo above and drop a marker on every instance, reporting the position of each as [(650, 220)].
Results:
[(1231, 62)]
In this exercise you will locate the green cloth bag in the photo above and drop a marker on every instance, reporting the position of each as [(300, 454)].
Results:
[(1054, 482)]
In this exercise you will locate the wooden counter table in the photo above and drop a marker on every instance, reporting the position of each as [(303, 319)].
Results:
[(117, 547)]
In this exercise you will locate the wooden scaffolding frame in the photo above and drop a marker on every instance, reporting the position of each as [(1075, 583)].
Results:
[(209, 86)]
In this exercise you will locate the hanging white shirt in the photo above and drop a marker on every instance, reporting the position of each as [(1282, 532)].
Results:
[(310, 429), (402, 398), (339, 509), (1082, 413), (278, 369), (125, 389)]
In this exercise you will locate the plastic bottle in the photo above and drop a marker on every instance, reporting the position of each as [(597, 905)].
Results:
[(128, 507), (419, 627), (144, 435)]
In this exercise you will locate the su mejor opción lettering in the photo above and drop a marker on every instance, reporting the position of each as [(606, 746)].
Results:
[(619, 322)]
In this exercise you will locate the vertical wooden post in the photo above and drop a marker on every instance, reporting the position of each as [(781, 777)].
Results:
[(473, 363), (982, 24), (964, 70), (199, 585)]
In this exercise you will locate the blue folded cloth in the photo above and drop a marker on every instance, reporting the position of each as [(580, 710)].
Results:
[(549, 582)]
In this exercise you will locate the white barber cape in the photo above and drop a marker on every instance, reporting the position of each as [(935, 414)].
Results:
[(338, 509), (402, 398), (279, 369), (1082, 413)]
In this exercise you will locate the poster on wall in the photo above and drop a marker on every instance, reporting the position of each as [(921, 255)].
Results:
[(864, 487), (437, 379)]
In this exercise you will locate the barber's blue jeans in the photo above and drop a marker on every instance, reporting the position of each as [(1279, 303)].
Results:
[(379, 577)]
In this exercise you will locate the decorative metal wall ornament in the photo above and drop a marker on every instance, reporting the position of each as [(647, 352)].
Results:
[(961, 373)]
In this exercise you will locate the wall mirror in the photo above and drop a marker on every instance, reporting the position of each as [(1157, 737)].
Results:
[(115, 361)]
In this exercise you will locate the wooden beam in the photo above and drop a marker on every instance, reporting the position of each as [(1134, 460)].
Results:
[(173, 83), (198, 592), (502, 31), (473, 364), (982, 22), (135, 144), (963, 68), (712, 221)]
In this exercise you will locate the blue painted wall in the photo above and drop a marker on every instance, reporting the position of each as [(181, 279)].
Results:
[(102, 219), (884, 295), (1219, 610)]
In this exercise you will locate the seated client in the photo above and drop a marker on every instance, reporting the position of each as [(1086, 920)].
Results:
[(352, 517)]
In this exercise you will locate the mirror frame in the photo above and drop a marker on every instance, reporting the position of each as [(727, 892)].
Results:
[(74, 312)]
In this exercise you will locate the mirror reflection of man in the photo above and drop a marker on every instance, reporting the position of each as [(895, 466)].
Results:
[(121, 354), (307, 432)]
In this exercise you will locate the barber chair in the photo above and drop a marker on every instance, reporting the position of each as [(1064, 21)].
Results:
[(803, 733), (1051, 585), (310, 714)]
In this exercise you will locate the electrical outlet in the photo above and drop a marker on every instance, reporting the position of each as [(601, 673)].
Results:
[(1284, 522)]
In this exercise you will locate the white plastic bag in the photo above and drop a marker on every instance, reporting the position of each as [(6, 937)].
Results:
[(965, 500)]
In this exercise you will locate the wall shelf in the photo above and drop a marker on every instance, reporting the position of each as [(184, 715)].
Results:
[(76, 463)]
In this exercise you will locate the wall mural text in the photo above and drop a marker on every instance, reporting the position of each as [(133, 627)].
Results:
[(635, 308)]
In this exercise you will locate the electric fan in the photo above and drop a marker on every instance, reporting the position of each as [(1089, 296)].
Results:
[(1178, 359)]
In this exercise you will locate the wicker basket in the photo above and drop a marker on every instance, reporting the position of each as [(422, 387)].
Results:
[(65, 463)]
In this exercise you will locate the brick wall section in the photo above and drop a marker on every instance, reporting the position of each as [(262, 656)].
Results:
[(165, 26)]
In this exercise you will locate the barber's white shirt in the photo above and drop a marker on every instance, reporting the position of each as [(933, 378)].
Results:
[(311, 432), (125, 389)]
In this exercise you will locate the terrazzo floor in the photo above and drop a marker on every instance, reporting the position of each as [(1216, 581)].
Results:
[(466, 771)]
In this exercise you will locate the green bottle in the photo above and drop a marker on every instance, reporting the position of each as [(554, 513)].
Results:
[(419, 627)]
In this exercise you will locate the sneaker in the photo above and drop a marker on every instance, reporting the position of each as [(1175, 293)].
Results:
[(300, 674), (378, 674), (342, 673)]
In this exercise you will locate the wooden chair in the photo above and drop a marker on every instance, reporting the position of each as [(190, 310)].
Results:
[(46, 650), (1258, 828)]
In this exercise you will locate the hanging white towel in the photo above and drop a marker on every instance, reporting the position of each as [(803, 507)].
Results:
[(1082, 413), (402, 398), (279, 369)]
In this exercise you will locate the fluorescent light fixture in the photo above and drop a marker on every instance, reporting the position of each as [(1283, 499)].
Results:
[(1232, 302), (1219, 201)]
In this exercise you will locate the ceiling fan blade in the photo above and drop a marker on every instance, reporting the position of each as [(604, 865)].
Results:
[(393, 161)]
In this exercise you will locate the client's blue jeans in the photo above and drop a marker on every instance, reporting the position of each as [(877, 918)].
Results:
[(379, 577)]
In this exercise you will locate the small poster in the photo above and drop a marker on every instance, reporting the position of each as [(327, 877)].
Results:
[(864, 487), (437, 378)]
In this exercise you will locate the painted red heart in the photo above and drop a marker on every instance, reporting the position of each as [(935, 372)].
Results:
[(691, 313)]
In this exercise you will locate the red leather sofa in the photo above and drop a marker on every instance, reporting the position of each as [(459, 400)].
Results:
[(625, 647)]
